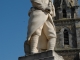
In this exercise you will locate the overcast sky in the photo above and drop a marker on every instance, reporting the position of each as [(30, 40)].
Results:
[(13, 28)]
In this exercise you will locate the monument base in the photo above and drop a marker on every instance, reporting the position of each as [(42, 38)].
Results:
[(62, 54), (48, 55), (38, 56)]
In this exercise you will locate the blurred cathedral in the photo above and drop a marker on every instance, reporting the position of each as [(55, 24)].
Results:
[(66, 8), (67, 28)]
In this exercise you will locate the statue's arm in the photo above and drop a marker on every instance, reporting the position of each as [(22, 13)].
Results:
[(52, 12), (53, 9)]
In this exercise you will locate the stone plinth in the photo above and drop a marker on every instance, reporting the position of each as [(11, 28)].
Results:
[(48, 55)]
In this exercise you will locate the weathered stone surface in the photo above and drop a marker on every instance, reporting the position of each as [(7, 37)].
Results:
[(69, 54), (66, 8), (48, 58), (77, 23), (43, 55), (73, 28)]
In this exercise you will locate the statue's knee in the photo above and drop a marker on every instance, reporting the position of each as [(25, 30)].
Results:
[(37, 32), (52, 36)]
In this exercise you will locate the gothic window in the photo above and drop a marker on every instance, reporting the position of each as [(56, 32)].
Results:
[(64, 13), (66, 37)]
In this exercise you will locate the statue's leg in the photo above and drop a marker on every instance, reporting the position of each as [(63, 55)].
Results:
[(34, 40), (34, 43), (49, 31), (51, 44)]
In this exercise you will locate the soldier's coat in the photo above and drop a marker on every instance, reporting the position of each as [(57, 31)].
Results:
[(38, 18)]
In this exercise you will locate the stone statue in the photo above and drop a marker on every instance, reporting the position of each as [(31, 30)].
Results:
[(41, 29)]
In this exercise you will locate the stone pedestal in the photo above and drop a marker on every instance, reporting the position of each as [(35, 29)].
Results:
[(48, 55)]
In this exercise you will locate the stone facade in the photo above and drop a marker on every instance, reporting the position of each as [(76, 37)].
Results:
[(69, 51), (70, 26), (69, 54), (77, 23), (67, 29)]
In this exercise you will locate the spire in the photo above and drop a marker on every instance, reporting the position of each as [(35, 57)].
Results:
[(66, 8)]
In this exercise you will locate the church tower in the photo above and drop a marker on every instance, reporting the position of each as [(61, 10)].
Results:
[(67, 28), (66, 8)]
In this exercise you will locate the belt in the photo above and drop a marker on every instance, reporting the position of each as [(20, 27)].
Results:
[(35, 8)]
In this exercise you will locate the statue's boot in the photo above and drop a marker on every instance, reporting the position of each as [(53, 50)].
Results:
[(51, 44), (34, 44)]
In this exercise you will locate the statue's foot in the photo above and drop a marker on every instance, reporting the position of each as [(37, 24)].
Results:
[(34, 52)]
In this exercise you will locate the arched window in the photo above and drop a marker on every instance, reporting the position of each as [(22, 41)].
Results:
[(66, 37), (64, 13)]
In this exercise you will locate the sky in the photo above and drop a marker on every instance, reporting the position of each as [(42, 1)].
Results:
[(13, 28)]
